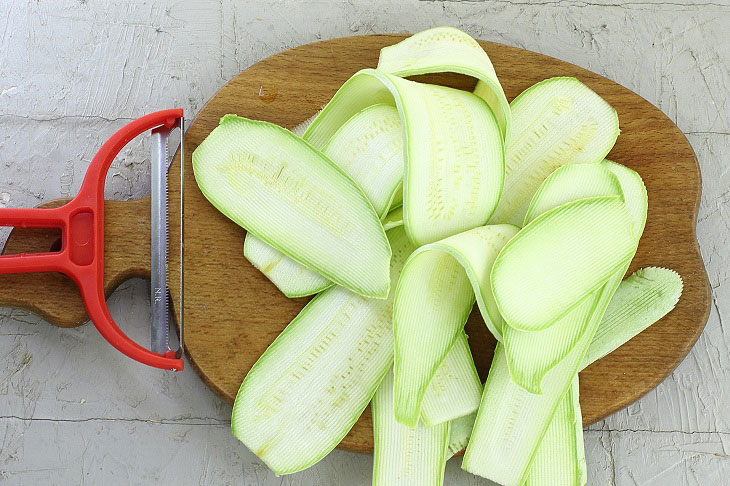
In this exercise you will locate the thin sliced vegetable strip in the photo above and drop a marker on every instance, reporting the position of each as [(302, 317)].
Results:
[(369, 148), (455, 389), (453, 150), (446, 49), (504, 440), (560, 459), (310, 386), (433, 299), (560, 258), (403, 455), (273, 184), (291, 278), (641, 299), (555, 122), (531, 354)]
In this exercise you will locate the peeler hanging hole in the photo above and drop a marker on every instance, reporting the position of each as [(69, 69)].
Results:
[(31, 240)]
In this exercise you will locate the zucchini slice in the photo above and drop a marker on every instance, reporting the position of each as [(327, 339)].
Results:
[(511, 421), (369, 149), (531, 354), (455, 389), (570, 183), (417, 455), (274, 184), (460, 433), (393, 219), (640, 300), (310, 386), (291, 278), (643, 298), (560, 459), (403, 455), (433, 299), (555, 122), (559, 259), (454, 156), (446, 49)]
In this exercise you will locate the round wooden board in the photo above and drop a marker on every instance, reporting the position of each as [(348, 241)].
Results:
[(232, 312)]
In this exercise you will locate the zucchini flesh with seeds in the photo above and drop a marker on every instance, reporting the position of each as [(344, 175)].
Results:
[(405, 455), (369, 149), (446, 49), (433, 299), (453, 150), (511, 421), (555, 122), (531, 354), (576, 247), (641, 299), (274, 184), (310, 386), (455, 389)]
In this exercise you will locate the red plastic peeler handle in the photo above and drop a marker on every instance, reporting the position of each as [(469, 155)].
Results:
[(81, 257)]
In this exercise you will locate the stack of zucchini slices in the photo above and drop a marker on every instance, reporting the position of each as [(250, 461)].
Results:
[(399, 206)]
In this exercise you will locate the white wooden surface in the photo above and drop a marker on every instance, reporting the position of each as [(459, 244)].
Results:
[(73, 411)]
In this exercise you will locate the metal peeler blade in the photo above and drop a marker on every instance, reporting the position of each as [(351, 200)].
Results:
[(162, 317)]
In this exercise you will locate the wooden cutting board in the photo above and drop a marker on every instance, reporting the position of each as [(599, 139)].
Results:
[(232, 312)]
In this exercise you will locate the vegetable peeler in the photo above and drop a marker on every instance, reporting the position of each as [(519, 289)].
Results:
[(81, 256)]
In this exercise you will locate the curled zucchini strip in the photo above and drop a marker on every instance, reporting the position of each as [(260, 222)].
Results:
[(641, 299), (311, 385), (454, 155), (559, 259), (416, 455), (433, 299), (446, 49)]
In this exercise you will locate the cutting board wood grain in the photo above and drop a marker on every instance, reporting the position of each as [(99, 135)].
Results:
[(232, 312)]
